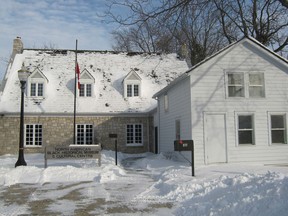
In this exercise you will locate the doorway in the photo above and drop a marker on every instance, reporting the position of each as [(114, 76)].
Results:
[(215, 138)]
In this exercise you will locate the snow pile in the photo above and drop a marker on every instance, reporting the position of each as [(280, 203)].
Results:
[(148, 178)]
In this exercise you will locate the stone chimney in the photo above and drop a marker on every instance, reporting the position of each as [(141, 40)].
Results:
[(17, 46)]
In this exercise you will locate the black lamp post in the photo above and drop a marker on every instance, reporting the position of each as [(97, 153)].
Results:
[(23, 75)]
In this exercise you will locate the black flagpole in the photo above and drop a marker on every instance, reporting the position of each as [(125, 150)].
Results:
[(75, 92)]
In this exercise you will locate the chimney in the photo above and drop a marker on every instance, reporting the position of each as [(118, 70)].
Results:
[(17, 46)]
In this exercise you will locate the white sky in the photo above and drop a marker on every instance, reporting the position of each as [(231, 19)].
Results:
[(50, 22)]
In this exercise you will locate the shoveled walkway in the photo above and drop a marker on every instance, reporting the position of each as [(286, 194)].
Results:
[(83, 198)]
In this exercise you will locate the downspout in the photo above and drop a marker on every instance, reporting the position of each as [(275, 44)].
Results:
[(158, 113)]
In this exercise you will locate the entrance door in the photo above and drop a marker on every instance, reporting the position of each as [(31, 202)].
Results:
[(215, 138)]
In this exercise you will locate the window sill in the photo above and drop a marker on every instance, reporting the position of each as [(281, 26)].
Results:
[(246, 145), (33, 146), (134, 145)]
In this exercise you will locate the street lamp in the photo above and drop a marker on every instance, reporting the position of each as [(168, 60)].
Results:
[(23, 75)]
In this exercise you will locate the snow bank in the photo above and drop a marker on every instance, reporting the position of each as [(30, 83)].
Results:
[(216, 190)]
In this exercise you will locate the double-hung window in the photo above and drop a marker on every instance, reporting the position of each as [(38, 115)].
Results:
[(36, 89), (246, 84), (278, 129), (245, 129), (134, 134), (85, 90), (84, 134), (33, 134)]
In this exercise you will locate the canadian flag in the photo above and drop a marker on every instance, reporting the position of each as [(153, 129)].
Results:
[(77, 69)]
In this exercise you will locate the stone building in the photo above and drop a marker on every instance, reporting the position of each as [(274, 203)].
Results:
[(114, 96)]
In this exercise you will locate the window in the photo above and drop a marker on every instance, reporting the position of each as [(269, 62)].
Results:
[(166, 103), (134, 134), (245, 129), (278, 129), (33, 135), (36, 84), (84, 134), (177, 130), (36, 89), (85, 90), (132, 85), (136, 90), (129, 90), (132, 90), (236, 85), (256, 85), (242, 84)]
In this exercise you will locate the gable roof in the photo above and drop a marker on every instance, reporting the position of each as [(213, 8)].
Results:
[(107, 68), (247, 39), (37, 74), (86, 75), (132, 75)]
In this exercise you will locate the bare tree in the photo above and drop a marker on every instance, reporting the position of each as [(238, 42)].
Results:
[(146, 37), (204, 26), (265, 20)]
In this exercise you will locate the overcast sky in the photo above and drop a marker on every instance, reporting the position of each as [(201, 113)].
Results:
[(52, 22)]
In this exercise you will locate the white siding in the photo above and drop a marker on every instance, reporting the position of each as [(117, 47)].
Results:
[(208, 94), (179, 109)]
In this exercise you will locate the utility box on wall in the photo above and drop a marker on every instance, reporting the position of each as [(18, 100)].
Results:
[(183, 145)]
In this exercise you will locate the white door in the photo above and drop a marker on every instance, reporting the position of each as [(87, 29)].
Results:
[(215, 138)]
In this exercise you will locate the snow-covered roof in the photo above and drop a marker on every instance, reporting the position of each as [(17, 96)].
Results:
[(107, 68)]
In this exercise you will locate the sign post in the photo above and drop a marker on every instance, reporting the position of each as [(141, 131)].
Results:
[(114, 136), (186, 145)]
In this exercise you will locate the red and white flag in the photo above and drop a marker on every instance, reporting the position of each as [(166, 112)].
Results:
[(77, 69)]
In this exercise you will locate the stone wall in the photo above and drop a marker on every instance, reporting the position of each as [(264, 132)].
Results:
[(59, 130)]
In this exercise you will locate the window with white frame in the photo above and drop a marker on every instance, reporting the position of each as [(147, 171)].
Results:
[(256, 85), (37, 90), (36, 84), (132, 90), (246, 129), (278, 129), (132, 84), (236, 85), (84, 134), (33, 134), (134, 134), (248, 84), (85, 90)]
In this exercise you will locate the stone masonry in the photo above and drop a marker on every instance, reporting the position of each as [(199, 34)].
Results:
[(59, 131)]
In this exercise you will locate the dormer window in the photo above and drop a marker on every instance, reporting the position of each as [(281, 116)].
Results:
[(85, 90), (37, 84), (37, 89), (132, 90), (132, 85), (86, 84)]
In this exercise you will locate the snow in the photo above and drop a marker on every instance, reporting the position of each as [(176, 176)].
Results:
[(144, 184), (107, 68)]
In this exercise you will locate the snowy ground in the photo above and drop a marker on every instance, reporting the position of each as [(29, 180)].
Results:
[(150, 185)]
